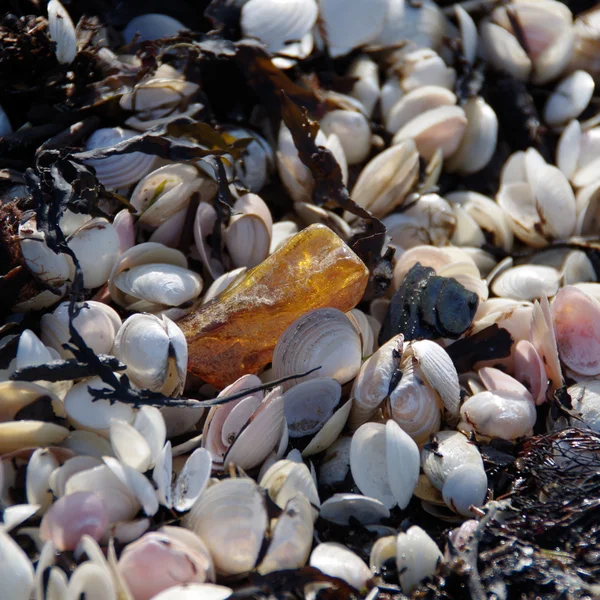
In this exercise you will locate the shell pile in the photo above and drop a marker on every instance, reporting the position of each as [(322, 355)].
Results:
[(466, 132)]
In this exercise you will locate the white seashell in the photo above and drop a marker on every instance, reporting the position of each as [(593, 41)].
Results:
[(585, 398), (130, 446), (60, 476), (336, 560), (324, 338), (455, 457), (468, 33), (155, 352), (383, 549), (416, 102), (62, 32), (39, 469), (366, 89), (248, 235), (116, 172), (310, 404), (503, 50), (330, 431), (507, 415), (526, 282), (441, 127), (425, 67), (417, 557), (204, 223), (284, 27), (479, 141), (570, 98), (347, 26), (94, 415), (193, 591), (439, 371), (257, 161), (386, 180), (192, 480), (336, 462), (353, 131), (291, 538), (88, 443), (341, 507), (15, 515), (231, 518), (402, 455), (151, 26), (96, 234), (16, 570), (97, 323)]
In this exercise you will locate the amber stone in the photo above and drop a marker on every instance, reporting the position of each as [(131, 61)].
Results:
[(236, 332)]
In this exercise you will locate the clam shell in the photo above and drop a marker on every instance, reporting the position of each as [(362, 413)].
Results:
[(231, 518), (130, 446), (340, 508), (352, 129), (330, 431), (324, 338), (39, 469), (569, 99), (336, 560), (17, 395), (62, 32), (15, 435), (526, 282), (16, 570), (417, 557), (366, 89)]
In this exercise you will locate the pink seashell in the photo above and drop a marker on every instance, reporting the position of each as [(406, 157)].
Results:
[(73, 516), (529, 370), (124, 224), (158, 561), (494, 380), (576, 319)]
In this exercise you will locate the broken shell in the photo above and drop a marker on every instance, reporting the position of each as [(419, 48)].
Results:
[(231, 518), (323, 338), (155, 352), (417, 557), (62, 32)]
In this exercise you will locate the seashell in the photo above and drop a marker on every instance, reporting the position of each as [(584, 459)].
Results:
[(16, 435), (576, 321), (468, 33), (414, 405), (417, 557), (73, 516), (155, 352), (585, 398), (130, 446), (284, 27), (95, 266), (230, 516), (62, 32), (324, 338), (192, 480), (310, 404), (577, 268), (159, 560), (118, 499), (385, 463), (166, 191), (352, 129), (248, 235), (570, 98), (96, 322), (425, 67), (546, 30), (193, 591), (88, 443), (336, 463), (428, 220), (151, 26), (439, 371), (291, 538), (336, 560), (441, 127), (386, 180), (59, 477), (16, 570), (340, 508), (454, 460), (366, 89), (416, 102), (52, 268), (17, 395), (479, 140), (120, 171), (124, 226), (526, 282), (40, 467), (507, 415), (383, 550), (94, 415), (348, 26)]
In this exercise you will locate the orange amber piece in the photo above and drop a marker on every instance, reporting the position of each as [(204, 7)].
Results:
[(236, 333)]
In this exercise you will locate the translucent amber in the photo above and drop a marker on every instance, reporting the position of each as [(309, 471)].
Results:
[(236, 333)]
